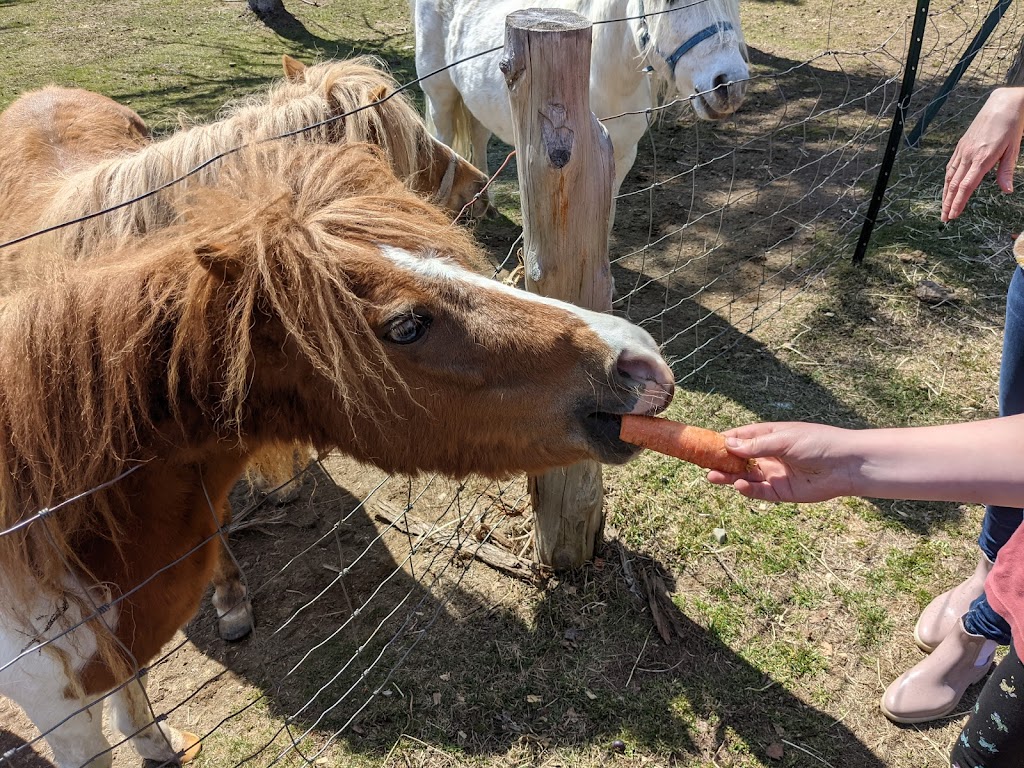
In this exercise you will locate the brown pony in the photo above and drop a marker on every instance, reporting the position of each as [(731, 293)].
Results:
[(307, 297), (323, 95), (67, 152), (51, 133)]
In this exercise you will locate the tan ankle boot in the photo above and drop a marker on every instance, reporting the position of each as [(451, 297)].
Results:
[(944, 612), (933, 687)]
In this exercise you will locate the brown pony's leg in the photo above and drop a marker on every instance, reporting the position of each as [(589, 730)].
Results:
[(230, 596), (275, 469), (153, 741)]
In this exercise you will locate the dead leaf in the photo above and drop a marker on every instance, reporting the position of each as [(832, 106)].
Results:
[(774, 751)]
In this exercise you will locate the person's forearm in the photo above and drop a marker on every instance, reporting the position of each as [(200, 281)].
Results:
[(979, 462)]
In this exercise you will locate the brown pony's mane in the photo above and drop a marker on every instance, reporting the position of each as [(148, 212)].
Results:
[(310, 96), (146, 351)]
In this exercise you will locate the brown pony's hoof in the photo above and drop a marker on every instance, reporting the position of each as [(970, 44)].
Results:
[(237, 623), (276, 492), (191, 745), (285, 494)]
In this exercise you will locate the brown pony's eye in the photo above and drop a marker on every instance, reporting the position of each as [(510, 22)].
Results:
[(407, 328)]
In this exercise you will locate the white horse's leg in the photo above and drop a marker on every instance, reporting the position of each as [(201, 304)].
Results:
[(622, 166), (480, 135), (442, 103), (36, 679), (153, 741), (77, 742)]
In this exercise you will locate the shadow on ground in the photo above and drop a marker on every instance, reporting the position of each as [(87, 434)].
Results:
[(455, 667)]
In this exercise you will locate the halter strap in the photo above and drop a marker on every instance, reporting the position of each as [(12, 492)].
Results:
[(687, 45), (693, 42)]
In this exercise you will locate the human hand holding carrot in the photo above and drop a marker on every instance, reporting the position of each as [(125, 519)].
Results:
[(794, 462), (776, 462), (979, 462)]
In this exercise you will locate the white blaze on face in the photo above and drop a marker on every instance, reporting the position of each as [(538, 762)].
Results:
[(620, 335), (636, 354)]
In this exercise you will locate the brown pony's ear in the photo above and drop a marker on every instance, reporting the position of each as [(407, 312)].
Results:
[(220, 260), (294, 70), (378, 93)]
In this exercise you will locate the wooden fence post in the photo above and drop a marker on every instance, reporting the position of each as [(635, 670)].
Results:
[(565, 165)]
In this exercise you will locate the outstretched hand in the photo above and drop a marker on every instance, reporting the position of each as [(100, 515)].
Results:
[(992, 140), (795, 462)]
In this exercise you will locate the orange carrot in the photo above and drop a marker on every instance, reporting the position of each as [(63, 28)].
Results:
[(696, 445)]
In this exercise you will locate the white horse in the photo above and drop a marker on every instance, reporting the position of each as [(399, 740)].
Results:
[(692, 47)]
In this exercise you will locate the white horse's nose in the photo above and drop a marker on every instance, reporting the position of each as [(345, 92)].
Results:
[(730, 89), (722, 91)]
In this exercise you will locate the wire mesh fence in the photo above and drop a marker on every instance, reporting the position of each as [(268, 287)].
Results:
[(719, 227), (730, 221)]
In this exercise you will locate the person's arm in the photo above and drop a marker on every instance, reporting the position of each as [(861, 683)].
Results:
[(993, 139), (979, 462)]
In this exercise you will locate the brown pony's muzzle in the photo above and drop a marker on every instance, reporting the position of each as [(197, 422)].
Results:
[(654, 378), (641, 383)]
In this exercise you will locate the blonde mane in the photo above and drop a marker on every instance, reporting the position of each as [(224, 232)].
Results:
[(148, 351), (311, 96)]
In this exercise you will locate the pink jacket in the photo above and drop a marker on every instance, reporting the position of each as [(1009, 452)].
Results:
[(1004, 587)]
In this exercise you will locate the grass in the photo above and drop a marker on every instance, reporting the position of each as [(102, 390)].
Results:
[(790, 629), (192, 59)]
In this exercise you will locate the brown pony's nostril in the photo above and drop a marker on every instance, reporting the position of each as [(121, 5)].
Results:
[(656, 382), (645, 367)]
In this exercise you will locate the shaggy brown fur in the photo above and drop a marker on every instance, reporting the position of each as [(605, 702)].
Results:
[(307, 96), (127, 360), (72, 172), (47, 134), (260, 320)]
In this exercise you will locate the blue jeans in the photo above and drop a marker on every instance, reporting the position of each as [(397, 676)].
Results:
[(1000, 522)]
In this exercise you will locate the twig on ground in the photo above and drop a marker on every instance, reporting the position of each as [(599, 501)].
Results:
[(663, 610), (808, 752), (466, 544), (639, 656), (820, 558), (942, 755)]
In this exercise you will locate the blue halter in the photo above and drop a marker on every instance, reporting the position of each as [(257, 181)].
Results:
[(687, 45)]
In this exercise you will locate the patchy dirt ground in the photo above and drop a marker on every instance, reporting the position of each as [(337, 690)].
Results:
[(374, 647)]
